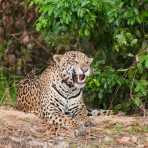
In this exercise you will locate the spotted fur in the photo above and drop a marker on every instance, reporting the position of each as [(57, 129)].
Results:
[(56, 94)]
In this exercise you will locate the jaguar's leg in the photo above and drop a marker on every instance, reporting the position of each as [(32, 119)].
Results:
[(82, 116), (59, 119)]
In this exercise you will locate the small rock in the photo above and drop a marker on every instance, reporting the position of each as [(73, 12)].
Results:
[(140, 146), (124, 140), (108, 139), (134, 139)]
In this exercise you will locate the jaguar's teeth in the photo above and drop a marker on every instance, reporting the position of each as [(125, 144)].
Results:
[(81, 77)]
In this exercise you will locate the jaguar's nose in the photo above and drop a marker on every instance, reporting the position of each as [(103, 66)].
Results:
[(84, 69)]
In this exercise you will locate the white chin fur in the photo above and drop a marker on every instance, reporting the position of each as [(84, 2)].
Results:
[(79, 85)]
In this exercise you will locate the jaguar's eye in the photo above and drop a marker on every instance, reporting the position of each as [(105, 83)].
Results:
[(87, 62)]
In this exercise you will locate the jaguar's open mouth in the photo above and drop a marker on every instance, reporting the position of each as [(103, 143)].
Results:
[(79, 79)]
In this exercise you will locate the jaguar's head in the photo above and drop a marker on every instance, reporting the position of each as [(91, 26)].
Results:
[(74, 67)]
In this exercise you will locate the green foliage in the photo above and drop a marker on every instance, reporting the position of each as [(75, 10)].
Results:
[(124, 41), (117, 30), (78, 17), (125, 12), (102, 83), (122, 89), (113, 31), (7, 88), (139, 85)]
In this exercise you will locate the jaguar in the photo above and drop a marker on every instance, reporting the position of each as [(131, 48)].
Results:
[(56, 95)]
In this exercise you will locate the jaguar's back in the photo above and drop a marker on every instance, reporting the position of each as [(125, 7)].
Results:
[(28, 92)]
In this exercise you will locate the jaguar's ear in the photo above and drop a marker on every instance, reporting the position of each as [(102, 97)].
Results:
[(57, 58), (90, 60)]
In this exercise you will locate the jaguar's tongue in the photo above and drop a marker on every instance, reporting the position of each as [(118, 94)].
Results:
[(81, 77)]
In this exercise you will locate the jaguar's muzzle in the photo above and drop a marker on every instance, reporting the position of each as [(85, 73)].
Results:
[(79, 78)]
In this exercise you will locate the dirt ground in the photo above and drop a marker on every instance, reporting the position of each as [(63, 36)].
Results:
[(21, 130)]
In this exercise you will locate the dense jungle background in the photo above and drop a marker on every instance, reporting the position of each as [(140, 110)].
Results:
[(113, 32)]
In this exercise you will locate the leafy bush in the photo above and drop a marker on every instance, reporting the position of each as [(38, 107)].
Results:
[(7, 88), (115, 34), (78, 17)]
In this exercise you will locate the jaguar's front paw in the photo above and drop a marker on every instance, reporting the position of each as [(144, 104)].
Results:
[(89, 123), (81, 131)]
